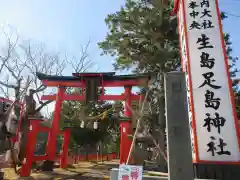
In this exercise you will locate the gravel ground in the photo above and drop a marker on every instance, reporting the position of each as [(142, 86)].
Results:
[(81, 171)]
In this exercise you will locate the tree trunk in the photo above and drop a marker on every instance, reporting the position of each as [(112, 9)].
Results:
[(160, 126), (25, 124), (160, 135), (23, 137), (17, 109), (21, 145)]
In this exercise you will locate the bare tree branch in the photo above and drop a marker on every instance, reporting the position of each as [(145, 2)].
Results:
[(19, 60), (42, 106), (4, 61), (7, 85), (40, 89), (5, 92), (82, 64), (12, 71), (10, 48), (37, 59)]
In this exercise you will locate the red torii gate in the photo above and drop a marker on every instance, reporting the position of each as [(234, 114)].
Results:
[(81, 80)]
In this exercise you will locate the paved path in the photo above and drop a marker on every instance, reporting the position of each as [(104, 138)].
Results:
[(81, 171)]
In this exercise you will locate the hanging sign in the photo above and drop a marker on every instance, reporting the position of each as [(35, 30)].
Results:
[(212, 116), (127, 172)]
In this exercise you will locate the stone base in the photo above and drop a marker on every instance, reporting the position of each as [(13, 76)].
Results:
[(1, 175), (47, 166)]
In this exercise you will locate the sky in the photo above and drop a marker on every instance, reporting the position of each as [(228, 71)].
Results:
[(64, 25), (232, 23)]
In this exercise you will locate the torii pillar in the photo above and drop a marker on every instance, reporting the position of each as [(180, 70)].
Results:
[(52, 139), (126, 127)]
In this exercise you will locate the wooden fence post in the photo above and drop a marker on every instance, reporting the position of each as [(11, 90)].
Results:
[(180, 165)]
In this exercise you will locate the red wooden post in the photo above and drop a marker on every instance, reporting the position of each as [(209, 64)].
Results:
[(32, 137), (125, 127), (64, 154), (52, 139)]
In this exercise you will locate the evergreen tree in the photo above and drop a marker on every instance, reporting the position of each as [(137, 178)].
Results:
[(143, 37), (232, 67)]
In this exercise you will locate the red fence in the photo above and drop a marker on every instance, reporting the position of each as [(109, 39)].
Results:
[(32, 137)]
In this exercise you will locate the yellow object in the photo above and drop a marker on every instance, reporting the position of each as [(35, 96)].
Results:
[(104, 115)]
